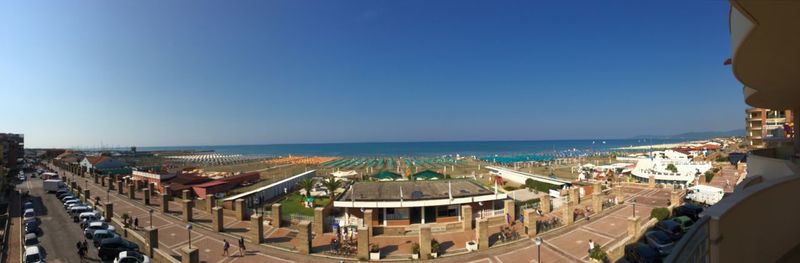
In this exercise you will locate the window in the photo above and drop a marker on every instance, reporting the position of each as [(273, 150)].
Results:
[(443, 211)]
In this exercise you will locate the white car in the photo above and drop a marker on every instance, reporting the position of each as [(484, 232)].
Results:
[(71, 202), (28, 214), (35, 254), (31, 240), (89, 231), (131, 257)]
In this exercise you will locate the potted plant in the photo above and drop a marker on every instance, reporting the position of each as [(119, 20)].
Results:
[(434, 248), (472, 245), (415, 250), (374, 252), (598, 255)]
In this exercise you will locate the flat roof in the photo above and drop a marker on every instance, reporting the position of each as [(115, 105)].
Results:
[(413, 190)]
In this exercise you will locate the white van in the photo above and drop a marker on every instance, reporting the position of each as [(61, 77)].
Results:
[(52, 185), (704, 194), (34, 254)]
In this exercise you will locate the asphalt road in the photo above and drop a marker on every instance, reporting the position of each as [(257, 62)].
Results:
[(59, 233)]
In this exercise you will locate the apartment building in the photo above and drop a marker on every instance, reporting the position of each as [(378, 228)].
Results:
[(765, 125)]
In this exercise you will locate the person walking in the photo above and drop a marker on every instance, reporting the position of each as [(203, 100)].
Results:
[(136, 223), (591, 246), (225, 246), (241, 246)]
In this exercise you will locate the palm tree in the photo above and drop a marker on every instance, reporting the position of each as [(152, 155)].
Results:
[(332, 184), (307, 184)]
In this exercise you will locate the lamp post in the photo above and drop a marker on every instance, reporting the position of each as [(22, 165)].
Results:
[(189, 229), (634, 207), (538, 241), (151, 217), (108, 200)]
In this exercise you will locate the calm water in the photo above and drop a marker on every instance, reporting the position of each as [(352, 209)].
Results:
[(478, 148)]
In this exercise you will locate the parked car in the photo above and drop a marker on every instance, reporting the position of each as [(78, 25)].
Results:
[(71, 202), (660, 241), (671, 228), (31, 239), (27, 205), (62, 193), (684, 221), (67, 197), (34, 220), (101, 234), (641, 253), (89, 230), (35, 254), (32, 228), (111, 247), (131, 257), (86, 217), (689, 210), (28, 214)]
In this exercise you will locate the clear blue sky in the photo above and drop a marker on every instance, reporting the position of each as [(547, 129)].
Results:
[(155, 73)]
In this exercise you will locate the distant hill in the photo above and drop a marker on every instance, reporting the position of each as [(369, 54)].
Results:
[(695, 135)]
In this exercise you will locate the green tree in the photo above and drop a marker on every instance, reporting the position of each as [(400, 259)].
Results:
[(306, 185), (709, 176), (672, 168), (332, 184), (598, 254)]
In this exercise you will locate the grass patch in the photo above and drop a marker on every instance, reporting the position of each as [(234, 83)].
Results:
[(293, 204)]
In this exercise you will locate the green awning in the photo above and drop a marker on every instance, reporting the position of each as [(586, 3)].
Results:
[(428, 175), (387, 175)]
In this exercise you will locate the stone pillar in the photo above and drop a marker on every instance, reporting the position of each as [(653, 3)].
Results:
[(190, 255), (545, 204), (651, 181), (131, 191), (481, 233), (151, 187), (119, 187), (566, 213), (109, 209), (151, 234), (94, 176), (575, 196), (164, 203), (466, 217), (633, 228), (146, 196), (276, 215), (87, 195), (508, 208), (368, 220), (187, 211), (103, 181), (216, 219), (425, 241), (167, 192), (258, 226), (211, 202), (319, 221), (241, 212), (139, 185), (304, 237), (597, 202), (363, 244), (185, 194), (674, 198), (530, 222)]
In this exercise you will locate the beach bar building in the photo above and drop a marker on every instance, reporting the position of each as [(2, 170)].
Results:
[(404, 203)]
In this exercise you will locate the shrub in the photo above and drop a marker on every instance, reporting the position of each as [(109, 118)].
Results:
[(659, 213), (672, 168), (539, 186), (509, 188), (598, 254), (709, 176), (373, 248), (715, 169), (415, 248), (434, 246), (721, 158)]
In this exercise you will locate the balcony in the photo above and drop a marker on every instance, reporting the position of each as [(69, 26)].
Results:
[(772, 163), (746, 226)]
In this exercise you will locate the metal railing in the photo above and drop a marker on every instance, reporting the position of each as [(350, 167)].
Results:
[(694, 247)]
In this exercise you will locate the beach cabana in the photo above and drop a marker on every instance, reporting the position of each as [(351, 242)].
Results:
[(427, 175), (348, 174), (387, 176)]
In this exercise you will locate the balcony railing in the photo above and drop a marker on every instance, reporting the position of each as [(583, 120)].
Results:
[(772, 163)]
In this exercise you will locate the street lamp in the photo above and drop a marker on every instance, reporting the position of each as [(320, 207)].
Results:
[(151, 218), (189, 229), (634, 207), (538, 241)]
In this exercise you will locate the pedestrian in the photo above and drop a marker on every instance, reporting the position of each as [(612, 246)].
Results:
[(591, 246), (225, 246), (241, 246), (78, 245), (85, 246), (135, 223), (81, 254)]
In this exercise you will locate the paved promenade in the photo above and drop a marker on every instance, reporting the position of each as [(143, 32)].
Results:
[(561, 246)]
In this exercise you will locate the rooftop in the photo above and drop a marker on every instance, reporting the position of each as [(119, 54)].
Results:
[(413, 190)]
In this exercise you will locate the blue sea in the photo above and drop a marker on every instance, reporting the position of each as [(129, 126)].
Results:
[(469, 148)]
